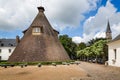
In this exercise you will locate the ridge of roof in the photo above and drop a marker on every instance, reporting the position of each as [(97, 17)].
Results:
[(116, 38), (7, 42)]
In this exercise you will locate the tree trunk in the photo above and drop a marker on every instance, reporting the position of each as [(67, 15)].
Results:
[(96, 58)]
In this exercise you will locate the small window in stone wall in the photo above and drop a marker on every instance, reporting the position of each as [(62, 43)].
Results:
[(37, 30), (2, 44)]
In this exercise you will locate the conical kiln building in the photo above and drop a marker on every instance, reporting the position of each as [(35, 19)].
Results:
[(39, 43)]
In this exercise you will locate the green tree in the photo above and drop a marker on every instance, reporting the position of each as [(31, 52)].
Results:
[(69, 46), (96, 50), (80, 54), (84, 54), (87, 52), (92, 41), (81, 46)]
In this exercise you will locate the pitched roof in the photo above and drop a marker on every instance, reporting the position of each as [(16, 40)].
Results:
[(7, 42), (116, 38), (108, 30), (43, 47)]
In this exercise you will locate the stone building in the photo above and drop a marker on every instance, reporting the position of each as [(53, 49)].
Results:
[(114, 52), (39, 43), (113, 48), (7, 46)]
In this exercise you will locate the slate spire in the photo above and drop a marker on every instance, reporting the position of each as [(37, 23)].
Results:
[(108, 32)]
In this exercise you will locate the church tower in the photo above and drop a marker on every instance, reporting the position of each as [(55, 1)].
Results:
[(108, 32), (39, 43)]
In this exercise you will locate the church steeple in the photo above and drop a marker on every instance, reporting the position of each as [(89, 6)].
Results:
[(108, 32)]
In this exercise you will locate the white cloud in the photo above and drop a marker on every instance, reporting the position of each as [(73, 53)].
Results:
[(95, 26), (77, 39), (18, 14), (100, 35), (116, 29), (68, 13), (99, 21), (85, 38)]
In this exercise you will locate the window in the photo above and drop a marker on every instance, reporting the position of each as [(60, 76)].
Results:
[(2, 44), (37, 30), (115, 52), (10, 44), (10, 50)]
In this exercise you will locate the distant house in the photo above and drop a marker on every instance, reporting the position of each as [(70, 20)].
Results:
[(114, 52), (6, 48)]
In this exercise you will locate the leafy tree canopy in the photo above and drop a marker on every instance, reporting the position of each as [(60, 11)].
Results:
[(69, 46), (81, 46)]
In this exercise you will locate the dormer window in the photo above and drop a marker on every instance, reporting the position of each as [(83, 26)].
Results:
[(37, 30)]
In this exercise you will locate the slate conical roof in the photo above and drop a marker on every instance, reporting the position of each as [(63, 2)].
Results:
[(108, 30), (44, 46)]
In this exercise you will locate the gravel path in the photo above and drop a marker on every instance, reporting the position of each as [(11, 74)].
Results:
[(83, 71), (99, 72), (59, 72)]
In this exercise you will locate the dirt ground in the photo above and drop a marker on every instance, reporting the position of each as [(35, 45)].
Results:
[(100, 72), (83, 71), (59, 72)]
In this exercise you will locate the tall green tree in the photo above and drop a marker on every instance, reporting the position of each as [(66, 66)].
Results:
[(81, 46), (69, 46), (97, 50), (92, 41)]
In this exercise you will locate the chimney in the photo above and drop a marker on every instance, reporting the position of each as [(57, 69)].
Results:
[(17, 39), (41, 9)]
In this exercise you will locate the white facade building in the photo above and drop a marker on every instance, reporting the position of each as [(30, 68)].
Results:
[(7, 46), (114, 52)]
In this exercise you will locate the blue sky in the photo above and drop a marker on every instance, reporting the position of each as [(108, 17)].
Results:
[(79, 30), (81, 19)]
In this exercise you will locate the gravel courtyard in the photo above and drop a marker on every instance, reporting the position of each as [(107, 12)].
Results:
[(59, 72), (99, 72), (83, 71)]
